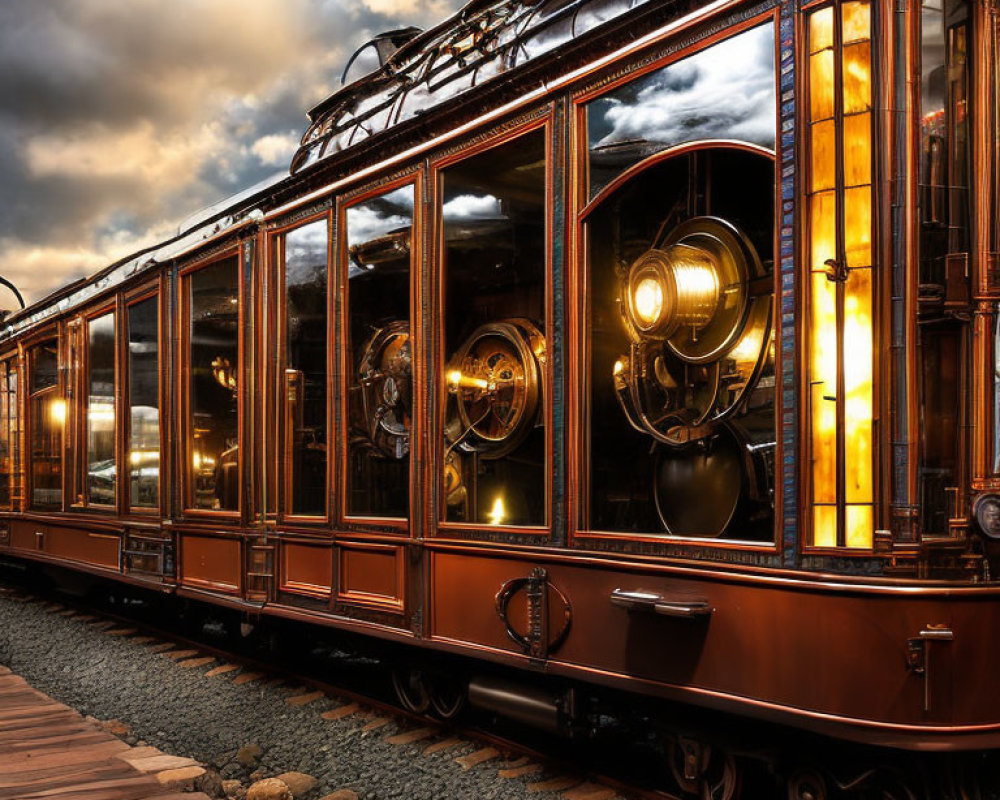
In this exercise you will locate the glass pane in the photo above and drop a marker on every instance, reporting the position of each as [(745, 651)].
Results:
[(379, 235), (823, 388), (101, 476), (823, 229), (674, 416), (213, 297), (726, 91), (825, 526), (856, 20), (306, 252), (494, 220), (824, 155), (821, 85), (144, 404), (47, 418), (8, 432), (44, 366), (858, 226), (857, 79), (860, 524), (858, 363), (821, 29), (858, 149)]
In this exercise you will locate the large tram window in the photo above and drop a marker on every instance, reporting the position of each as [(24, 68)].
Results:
[(144, 403), (494, 221), (305, 253), (944, 241), (681, 366), (47, 417), (9, 434), (726, 91), (380, 361), (100, 420), (212, 294)]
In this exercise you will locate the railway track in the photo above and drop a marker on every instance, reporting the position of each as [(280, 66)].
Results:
[(542, 774)]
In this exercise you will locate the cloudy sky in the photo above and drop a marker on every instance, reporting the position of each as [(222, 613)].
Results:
[(120, 118)]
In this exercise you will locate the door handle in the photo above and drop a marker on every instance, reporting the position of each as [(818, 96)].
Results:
[(650, 602)]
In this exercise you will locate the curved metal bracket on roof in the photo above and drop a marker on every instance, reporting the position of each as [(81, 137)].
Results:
[(13, 288), (385, 45)]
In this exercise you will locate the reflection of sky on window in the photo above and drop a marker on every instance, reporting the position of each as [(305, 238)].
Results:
[(471, 206), (724, 92), (380, 216), (305, 252)]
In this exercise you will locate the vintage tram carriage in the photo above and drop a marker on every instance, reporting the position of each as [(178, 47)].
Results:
[(649, 345)]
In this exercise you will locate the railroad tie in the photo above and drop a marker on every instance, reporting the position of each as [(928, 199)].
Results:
[(409, 737), (590, 791), (341, 711), (478, 757), (554, 784), (444, 744), (304, 699), (222, 670)]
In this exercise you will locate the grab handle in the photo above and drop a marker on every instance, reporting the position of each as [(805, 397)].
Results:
[(684, 608)]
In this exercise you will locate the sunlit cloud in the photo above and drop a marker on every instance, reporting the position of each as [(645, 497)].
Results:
[(120, 120)]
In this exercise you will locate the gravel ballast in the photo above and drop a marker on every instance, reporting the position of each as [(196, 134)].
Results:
[(181, 711)]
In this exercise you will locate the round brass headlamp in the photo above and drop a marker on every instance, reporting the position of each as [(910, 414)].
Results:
[(671, 288), (691, 289)]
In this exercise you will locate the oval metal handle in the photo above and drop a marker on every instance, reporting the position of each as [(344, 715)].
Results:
[(685, 608)]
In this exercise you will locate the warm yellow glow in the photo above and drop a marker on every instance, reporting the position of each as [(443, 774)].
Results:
[(823, 226), (647, 300), (697, 293), (57, 411), (748, 348), (824, 155), (196, 460), (858, 363), (821, 85), (456, 379), (857, 80), (860, 524), (139, 457), (858, 149), (856, 20), (858, 226), (619, 366), (98, 413), (825, 526), (497, 513), (821, 29)]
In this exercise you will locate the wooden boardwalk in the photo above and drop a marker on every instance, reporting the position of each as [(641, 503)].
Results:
[(49, 752)]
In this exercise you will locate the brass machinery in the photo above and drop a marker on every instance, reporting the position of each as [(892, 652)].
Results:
[(697, 308)]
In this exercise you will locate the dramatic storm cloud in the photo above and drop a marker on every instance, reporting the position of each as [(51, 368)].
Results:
[(118, 120)]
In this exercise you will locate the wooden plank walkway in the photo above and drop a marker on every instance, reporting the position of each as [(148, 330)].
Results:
[(49, 752)]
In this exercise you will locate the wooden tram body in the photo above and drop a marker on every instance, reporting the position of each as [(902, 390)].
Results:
[(645, 347)]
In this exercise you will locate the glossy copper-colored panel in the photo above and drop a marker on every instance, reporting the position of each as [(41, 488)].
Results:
[(371, 575), (78, 545), (306, 569), (24, 535), (210, 562), (793, 646)]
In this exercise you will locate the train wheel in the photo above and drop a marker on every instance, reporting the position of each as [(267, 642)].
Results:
[(411, 689), (448, 695)]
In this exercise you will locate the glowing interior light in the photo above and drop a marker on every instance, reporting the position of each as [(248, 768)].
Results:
[(647, 300), (619, 366), (497, 513), (57, 410), (747, 350), (139, 457), (456, 379), (196, 460)]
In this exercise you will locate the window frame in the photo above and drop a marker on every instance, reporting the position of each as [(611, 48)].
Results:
[(543, 118), (578, 378), (128, 300), (79, 338), (12, 360), (414, 176), (275, 248), (183, 356), (880, 319), (53, 333)]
